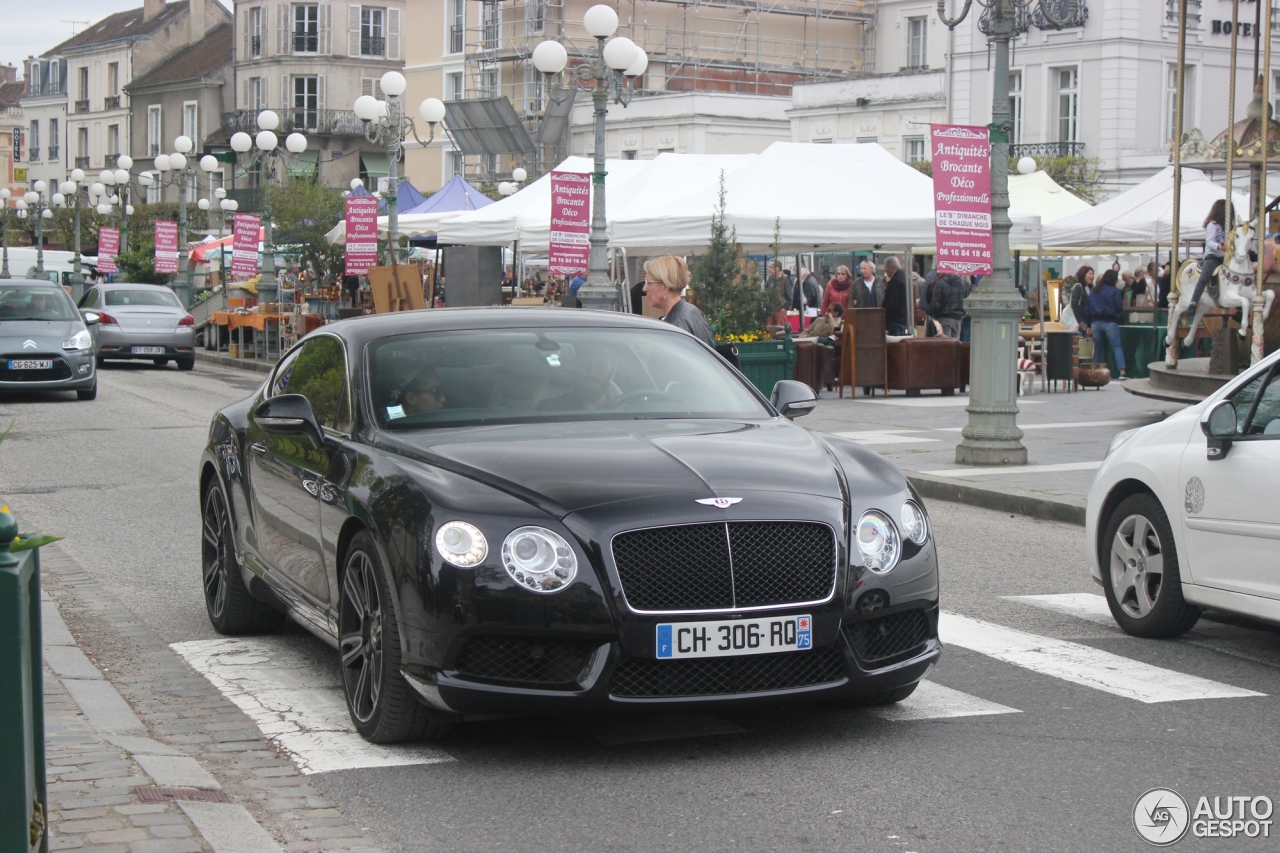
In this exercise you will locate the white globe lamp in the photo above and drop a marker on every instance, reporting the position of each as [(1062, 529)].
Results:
[(208, 163), (393, 83), (77, 175), (268, 120), (519, 175), (641, 64), (241, 142), (40, 186), (203, 204), (183, 145), (600, 21), (107, 177), (431, 110), (128, 210), (1026, 165), (122, 177), (146, 179), (266, 140), (59, 199), (550, 57), (124, 161), (296, 143), (620, 52), (178, 161), (356, 183), (162, 163), (365, 108)]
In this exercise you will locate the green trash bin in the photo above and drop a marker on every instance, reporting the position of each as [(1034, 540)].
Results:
[(766, 362), (23, 800), (1142, 345)]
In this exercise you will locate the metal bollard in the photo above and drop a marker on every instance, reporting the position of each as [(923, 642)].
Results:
[(23, 799)]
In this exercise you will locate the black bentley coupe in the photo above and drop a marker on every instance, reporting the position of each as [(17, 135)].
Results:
[(530, 511)]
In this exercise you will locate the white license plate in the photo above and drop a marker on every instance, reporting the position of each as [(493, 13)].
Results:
[(148, 350), (734, 637), (30, 364)]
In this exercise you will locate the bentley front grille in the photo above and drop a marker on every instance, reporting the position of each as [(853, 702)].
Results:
[(637, 678)]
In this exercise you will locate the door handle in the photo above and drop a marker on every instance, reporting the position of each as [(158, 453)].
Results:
[(259, 448)]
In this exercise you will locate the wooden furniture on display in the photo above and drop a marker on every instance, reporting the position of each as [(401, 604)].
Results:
[(396, 288), (916, 364), (863, 357), (813, 363), (1062, 358)]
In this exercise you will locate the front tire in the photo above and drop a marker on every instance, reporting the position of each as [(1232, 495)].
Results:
[(232, 610), (1140, 571), (886, 697), (87, 393), (382, 705)]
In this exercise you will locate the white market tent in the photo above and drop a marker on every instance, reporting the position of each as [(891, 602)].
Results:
[(1042, 196), (824, 197), (1143, 215)]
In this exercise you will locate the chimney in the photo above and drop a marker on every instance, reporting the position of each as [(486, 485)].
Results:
[(151, 8), (195, 20), (8, 73)]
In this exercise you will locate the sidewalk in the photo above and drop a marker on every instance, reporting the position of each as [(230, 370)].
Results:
[(145, 756), (1066, 436)]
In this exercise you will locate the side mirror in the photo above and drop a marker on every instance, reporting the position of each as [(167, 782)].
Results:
[(793, 399), (1220, 429), (289, 414), (90, 318)]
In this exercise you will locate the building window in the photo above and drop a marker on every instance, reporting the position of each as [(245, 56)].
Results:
[(917, 29), (191, 121), (862, 139), (113, 78), (454, 164), (457, 24), (666, 150), (1171, 99), (533, 82), (629, 155), (306, 28), (1015, 107), (33, 143), (55, 77), (492, 25), (113, 140), (373, 40), (83, 90), (82, 144), (536, 12), (454, 90), (914, 148), (33, 78), (255, 32), (489, 78), (306, 102), (54, 140), (1067, 83), (255, 93), (372, 87), (155, 130)]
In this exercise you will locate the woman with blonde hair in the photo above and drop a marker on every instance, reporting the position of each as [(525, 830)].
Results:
[(665, 279)]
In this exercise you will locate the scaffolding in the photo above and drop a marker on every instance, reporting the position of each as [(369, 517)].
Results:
[(761, 47)]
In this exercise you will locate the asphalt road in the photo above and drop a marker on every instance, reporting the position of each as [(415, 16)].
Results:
[(116, 476)]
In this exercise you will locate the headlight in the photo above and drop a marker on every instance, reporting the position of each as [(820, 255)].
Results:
[(878, 541), (539, 559), (915, 526), (82, 340), (461, 544), (1121, 438)]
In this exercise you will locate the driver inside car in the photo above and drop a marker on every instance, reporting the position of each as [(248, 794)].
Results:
[(423, 393)]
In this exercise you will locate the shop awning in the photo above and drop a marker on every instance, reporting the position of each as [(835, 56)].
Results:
[(374, 165), (304, 165)]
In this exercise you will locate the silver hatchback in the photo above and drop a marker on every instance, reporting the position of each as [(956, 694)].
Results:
[(141, 321)]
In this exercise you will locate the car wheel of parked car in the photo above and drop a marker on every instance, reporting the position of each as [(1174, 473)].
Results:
[(232, 610), (186, 363), (383, 706), (87, 393), (1140, 571)]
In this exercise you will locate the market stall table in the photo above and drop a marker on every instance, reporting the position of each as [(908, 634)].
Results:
[(257, 322)]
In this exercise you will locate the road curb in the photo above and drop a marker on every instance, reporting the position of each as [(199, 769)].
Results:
[(250, 364), (1005, 499)]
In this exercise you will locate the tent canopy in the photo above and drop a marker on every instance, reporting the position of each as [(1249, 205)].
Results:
[(1042, 196), (455, 196), (822, 197), (1144, 214), (406, 198)]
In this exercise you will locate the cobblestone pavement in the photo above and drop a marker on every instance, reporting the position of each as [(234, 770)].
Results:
[(97, 747)]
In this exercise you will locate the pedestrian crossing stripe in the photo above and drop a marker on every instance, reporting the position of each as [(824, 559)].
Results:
[(933, 701)]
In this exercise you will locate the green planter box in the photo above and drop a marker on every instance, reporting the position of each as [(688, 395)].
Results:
[(766, 362)]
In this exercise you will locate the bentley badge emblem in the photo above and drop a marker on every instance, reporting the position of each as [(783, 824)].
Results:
[(722, 503), (30, 344)]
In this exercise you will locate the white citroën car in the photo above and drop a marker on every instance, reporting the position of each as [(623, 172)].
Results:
[(1183, 514)]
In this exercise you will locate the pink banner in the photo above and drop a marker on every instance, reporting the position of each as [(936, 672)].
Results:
[(570, 249), (362, 234), (108, 248), (166, 246), (244, 245), (962, 198)]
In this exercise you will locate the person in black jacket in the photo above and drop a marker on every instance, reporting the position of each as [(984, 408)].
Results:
[(946, 303), (896, 301), (665, 279)]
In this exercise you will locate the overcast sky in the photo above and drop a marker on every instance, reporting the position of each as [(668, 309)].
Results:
[(30, 27)]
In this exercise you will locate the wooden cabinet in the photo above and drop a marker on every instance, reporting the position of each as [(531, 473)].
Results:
[(863, 359)]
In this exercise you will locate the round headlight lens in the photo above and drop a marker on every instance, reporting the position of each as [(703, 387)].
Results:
[(878, 541), (915, 526), (539, 559), (461, 543)]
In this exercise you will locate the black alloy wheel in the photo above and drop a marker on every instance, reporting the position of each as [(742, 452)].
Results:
[(382, 705), (232, 610), (1140, 571)]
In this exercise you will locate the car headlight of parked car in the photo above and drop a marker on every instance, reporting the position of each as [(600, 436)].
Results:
[(461, 544), (1121, 438), (539, 559), (82, 340), (878, 541), (915, 524)]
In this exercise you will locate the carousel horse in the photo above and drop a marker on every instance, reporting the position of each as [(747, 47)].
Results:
[(1236, 286)]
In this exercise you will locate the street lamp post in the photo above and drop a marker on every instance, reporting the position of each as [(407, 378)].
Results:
[(176, 170), (609, 69), (4, 264), (38, 203), (71, 189), (992, 436), (385, 123), (265, 152)]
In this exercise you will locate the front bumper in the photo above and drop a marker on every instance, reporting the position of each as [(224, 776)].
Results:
[(843, 664), (72, 371)]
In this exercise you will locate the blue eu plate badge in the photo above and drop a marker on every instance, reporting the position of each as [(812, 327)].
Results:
[(664, 641), (804, 633)]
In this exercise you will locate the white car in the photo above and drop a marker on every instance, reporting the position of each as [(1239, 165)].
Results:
[(1183, 514)]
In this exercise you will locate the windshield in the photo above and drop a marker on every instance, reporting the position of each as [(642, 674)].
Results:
[(142, 297), (25, 302), (446, 379)]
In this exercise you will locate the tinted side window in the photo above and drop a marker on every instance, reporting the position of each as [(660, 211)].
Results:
[(1243, 402), (89, 299), (319, 374), (1266, 417)]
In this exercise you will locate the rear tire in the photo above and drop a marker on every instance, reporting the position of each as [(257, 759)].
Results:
[(382, 705), (87, 393), (1140, 573), (186, 363), (232, 610)]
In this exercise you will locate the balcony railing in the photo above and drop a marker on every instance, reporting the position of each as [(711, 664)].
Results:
[(320, 122), (306, 42), (33, 154), (82, 106), (54, 151), (1047, 149), (110, 161), (82, 162), (255, 46), (249, 198), (111, 103), (373, 46), (455, 39)]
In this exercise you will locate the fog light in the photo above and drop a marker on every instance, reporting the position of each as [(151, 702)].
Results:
[(84, 368)]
